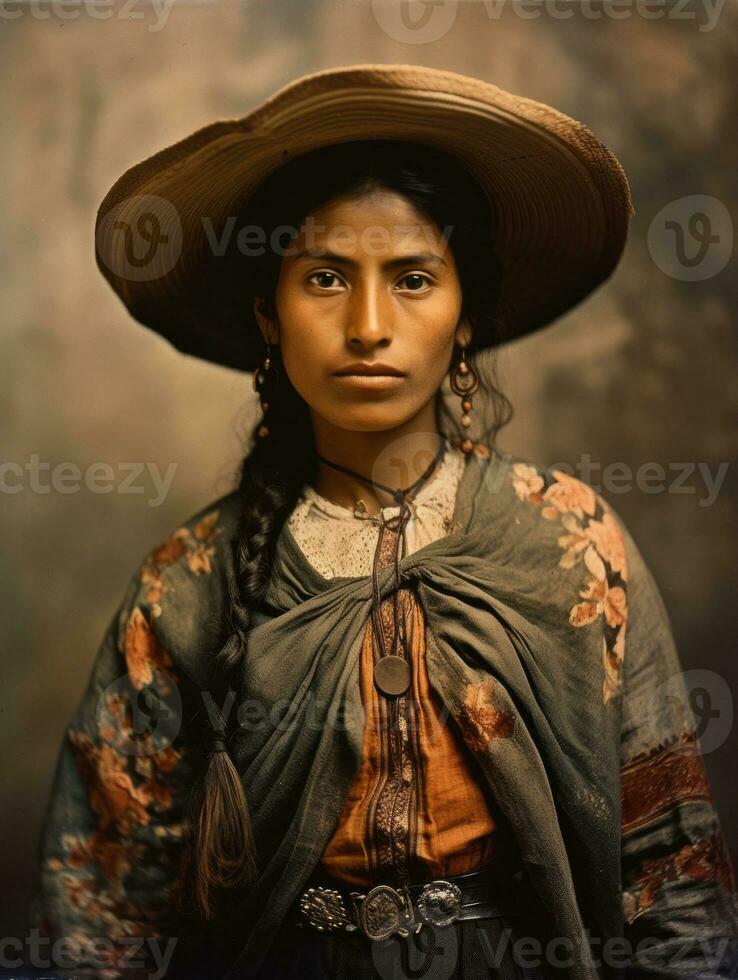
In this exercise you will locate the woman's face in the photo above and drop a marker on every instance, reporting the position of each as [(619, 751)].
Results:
[(369, 280)]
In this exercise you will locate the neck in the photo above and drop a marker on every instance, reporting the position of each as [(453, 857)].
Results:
[(395, 458)]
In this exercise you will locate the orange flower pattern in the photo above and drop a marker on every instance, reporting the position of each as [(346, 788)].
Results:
[(591, 538), (114, 832), (123, 791), (480, 720), (675, 869), (195, 547)]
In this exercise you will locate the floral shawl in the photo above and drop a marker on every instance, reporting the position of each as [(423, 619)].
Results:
[(549, 644)]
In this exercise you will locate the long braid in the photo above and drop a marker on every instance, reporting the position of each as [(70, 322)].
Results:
[(221, 851)]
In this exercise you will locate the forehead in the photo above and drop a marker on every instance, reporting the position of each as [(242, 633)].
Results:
[(378, 222), (380, 204)]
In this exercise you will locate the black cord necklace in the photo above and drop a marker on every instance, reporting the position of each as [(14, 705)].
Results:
[(391, 671), (398, 495)]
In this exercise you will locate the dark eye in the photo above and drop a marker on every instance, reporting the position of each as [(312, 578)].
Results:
[(416, 281), (323, 275)]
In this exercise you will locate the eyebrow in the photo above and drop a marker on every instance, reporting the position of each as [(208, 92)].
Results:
[(417, 258)]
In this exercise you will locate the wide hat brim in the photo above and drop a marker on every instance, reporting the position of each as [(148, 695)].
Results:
[(560, 198)]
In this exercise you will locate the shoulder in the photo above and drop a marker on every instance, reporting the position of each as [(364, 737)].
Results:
[(552, 505), (195, 550), (570, 548), (175, 605)]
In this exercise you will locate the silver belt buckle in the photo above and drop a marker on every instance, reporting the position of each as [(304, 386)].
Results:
[(439, 903), (384, 911), (325, 910)]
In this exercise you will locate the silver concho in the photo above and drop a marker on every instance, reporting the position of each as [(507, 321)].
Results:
[(324, 909), (439, 902), (385, 912)]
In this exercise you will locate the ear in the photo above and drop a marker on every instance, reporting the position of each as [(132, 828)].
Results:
[(464, 332), (267, 326)]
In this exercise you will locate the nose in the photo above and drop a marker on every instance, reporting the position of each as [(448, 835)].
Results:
[(369, 316)]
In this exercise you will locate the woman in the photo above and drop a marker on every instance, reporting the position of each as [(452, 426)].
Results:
[(405, 708)]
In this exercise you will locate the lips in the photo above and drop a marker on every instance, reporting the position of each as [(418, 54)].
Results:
[(370, 370)]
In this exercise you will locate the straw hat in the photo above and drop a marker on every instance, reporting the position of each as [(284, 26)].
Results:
[(560, 198)]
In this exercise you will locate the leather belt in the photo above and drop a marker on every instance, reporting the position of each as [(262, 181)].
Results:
[(384, 911)]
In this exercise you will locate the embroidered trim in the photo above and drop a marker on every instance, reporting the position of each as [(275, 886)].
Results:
[(657, 784), (706, 859)]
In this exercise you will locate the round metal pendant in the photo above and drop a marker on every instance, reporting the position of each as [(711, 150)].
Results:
[(392, 675)]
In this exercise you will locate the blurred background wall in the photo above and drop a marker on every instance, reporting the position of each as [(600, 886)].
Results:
[(644, 372)]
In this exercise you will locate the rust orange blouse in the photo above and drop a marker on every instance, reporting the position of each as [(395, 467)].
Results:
[(418, 808)]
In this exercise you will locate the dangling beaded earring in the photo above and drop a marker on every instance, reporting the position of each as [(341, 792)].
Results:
[(464, 382), (264, 375)]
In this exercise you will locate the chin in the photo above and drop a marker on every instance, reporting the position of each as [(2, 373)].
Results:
[(366, 418)]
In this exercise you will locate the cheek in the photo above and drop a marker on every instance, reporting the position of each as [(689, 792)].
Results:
[(303, 363), (437, 321), (303, 342), (434, 342)]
